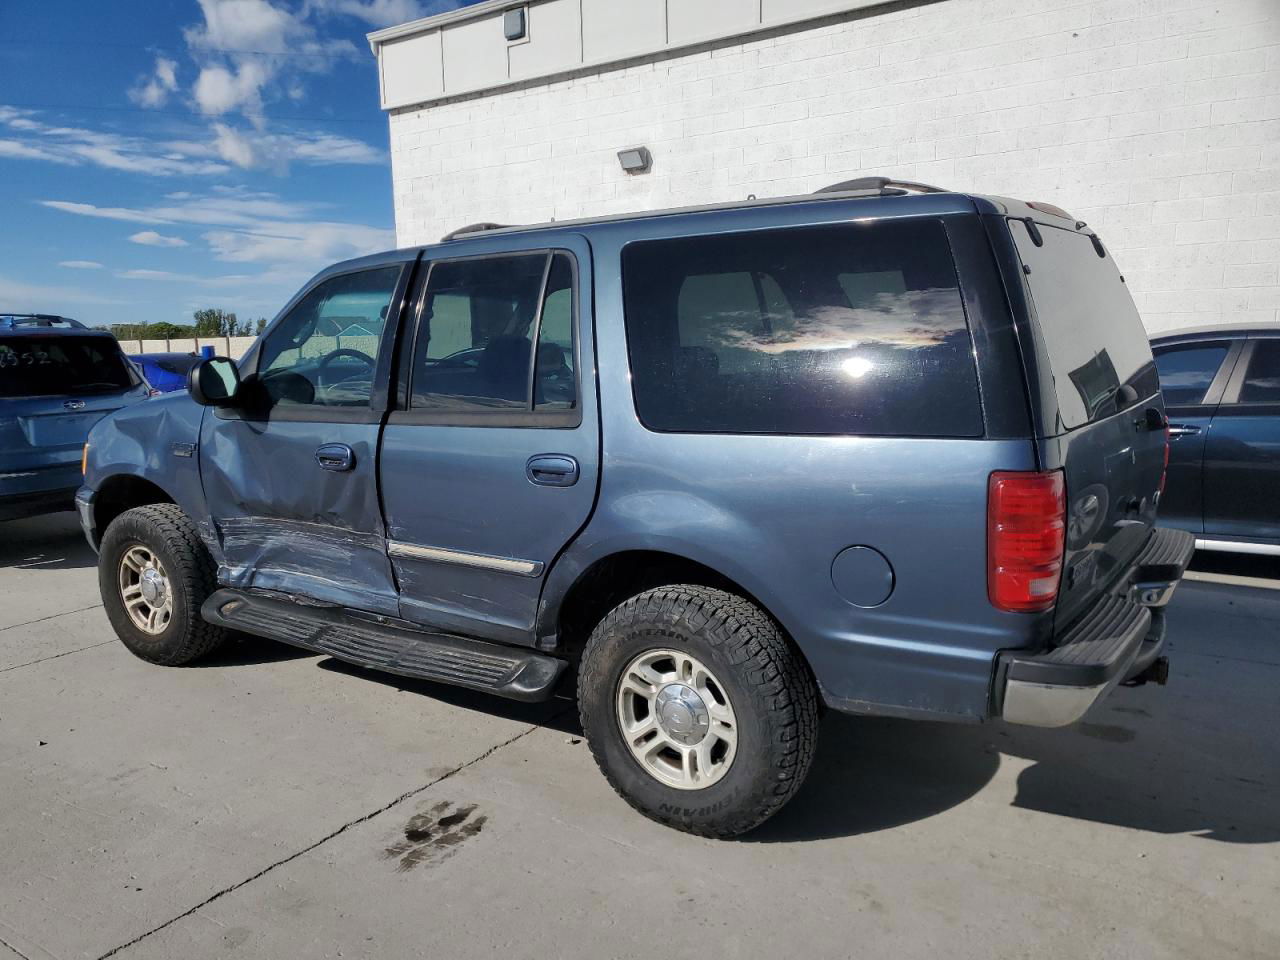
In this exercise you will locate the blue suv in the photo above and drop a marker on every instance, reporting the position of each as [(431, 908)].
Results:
[(885, 449), (57, 379)]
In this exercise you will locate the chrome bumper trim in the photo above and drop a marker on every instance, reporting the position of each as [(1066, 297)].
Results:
[(413, 551), (1232, 546), (1047, 704)]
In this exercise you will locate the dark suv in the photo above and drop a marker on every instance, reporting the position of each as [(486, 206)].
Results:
[(57, 379), (885, 449), (1222, 390)]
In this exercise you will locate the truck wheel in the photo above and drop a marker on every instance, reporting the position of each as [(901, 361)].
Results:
[(154, 573), (698, 711)]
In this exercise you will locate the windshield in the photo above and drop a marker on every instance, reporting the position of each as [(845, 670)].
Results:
[(46, 366)]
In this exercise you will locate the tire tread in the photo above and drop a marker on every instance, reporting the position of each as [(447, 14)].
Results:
[(196, 571), (751, 640)]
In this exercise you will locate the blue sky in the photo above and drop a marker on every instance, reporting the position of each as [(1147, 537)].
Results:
[(159, 156)]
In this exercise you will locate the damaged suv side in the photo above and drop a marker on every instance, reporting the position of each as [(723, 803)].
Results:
[(885, 449)]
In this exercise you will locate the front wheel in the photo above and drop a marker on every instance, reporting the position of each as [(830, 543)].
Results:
[(698, 711), (154, 573)]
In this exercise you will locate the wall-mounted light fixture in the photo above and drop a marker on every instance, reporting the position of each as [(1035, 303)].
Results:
[(635, 159), (514, 24)]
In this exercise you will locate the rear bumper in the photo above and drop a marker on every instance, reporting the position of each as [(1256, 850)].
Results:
[(1118, 639)]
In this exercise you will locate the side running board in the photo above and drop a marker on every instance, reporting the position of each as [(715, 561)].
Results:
[(506, 671)]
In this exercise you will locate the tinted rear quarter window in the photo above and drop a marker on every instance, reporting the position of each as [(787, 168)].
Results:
[(1187, 370), (1090, 328), (846, 329), (47, 366), (1262, 379)]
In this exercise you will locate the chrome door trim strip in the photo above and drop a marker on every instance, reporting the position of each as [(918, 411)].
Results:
[(1234, 546), (413, 551)]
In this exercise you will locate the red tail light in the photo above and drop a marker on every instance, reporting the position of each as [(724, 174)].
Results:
[(1026, 523)]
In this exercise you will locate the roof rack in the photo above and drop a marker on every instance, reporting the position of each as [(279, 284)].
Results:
[(11, 321), (480, 227), (885, 185)]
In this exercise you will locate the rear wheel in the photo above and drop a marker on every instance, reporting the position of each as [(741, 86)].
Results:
[(698, 711), (154, 573)]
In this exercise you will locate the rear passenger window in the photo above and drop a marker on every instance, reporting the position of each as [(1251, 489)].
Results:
[(1187, 371), (847, 329), (1262, 380), (480, 320)]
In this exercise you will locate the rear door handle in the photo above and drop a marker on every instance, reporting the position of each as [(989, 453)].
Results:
[(335, 456), (1182, 430), (552, 470)]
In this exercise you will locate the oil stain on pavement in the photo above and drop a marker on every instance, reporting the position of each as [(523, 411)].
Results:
[(434, 835)]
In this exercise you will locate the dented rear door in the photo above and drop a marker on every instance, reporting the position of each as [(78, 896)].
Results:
[(290, 474)]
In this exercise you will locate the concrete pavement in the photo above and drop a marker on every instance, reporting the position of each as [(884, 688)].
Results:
[(274, 804)]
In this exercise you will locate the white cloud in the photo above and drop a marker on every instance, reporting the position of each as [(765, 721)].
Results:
[(81, 264), (380, 13), (250, 227), (234, 146), (149, 238), (107, 213), (154, 90), (16, 149), (226, 280), (315, 242), (76, 146), (20, 296), (229, 149), (255, 148), (252, 50), (219, 90), (222, 206)]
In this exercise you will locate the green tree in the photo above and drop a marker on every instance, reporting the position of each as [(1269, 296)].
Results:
[(168, 331), (262, 325), (212, 322)]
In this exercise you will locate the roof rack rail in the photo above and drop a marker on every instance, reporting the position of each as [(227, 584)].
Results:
[(480, 227), (885, 185), (11, 321)]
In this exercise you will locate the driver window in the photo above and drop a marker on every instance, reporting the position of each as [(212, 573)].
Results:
[(325, 351)]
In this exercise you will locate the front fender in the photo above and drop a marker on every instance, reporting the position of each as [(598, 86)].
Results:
[(155, 441)]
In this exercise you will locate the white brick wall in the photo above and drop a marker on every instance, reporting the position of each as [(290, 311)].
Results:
[(1157, 121)]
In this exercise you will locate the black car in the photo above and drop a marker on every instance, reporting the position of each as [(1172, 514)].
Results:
[(1222, 393)]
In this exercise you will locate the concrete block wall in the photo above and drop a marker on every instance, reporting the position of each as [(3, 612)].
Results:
[(1157, 121)]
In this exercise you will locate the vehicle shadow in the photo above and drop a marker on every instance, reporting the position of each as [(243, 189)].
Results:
[(559, 713), (874, 773), (51, 542), (246, 650), (1198, 757)]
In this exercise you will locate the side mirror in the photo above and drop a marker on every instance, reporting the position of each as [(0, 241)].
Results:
[(214, 382)]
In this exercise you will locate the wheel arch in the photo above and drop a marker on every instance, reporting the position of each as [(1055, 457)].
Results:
[(608, 580), (124, 491)]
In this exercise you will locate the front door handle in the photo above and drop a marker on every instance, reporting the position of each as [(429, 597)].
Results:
[(1182, 430), (552, 470), (335, 456)]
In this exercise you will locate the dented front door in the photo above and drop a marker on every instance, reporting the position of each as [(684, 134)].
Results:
[(290, 474)]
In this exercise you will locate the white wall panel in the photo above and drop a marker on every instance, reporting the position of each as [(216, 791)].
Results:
[(475, 55), (411, 70), (611, 30), (555, 40), (690, 21)]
